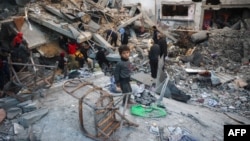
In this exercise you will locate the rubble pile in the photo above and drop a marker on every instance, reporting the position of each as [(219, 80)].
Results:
[(225, 52), (17, 118)]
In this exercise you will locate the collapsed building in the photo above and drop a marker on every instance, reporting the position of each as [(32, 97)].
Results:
[(206, 39)]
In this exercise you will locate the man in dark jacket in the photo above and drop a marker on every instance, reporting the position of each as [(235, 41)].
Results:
[(153, 56), (112, 34), (155, 33), (101, 57), (124, 36), (163, 45)]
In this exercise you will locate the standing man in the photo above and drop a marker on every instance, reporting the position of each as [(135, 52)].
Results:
[(124, 36), (112, 36), (155, 33), (153, 56), (163, 45)]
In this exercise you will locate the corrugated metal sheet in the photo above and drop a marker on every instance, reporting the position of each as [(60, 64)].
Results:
[(224, 78)]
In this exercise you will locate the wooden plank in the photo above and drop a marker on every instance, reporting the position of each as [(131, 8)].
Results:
[(106, 127), (114, 128), (110, 116)]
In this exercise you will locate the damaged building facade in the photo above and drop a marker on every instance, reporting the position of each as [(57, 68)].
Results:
[(195, 14)]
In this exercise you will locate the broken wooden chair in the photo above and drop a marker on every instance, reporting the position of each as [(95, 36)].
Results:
[(97, 109)]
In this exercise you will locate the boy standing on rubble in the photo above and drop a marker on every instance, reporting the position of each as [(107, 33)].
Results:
[(123, 72)]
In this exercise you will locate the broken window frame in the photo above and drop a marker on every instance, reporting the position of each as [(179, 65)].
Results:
[(190, 12)]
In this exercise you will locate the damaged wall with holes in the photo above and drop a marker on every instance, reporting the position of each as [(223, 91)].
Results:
[(195, 14)]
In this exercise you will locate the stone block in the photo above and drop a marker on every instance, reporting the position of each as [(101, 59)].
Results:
[(13, 112), (29, 118), (20, 105), (22, 136), (18, 128), (30, 107), (9, 102)]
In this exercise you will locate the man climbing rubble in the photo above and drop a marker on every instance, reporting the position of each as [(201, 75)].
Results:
[(112, 37)]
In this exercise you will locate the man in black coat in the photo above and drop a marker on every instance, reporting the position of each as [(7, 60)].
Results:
[(101, 58), (112, 34), (155, 33), (153, 56), (124, 36), (163, 45)]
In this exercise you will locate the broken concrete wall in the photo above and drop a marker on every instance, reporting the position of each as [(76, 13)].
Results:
[(147, 5), (194, 15), (154, 10)]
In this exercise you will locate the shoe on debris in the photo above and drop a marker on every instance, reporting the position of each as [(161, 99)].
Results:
[(131, 102)]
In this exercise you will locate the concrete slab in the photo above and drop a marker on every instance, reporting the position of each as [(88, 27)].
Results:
[(144, 78), (34, 35)]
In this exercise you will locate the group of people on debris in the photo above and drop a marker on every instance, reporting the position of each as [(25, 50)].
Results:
[(157, 50), (78, 54), (75, 55)]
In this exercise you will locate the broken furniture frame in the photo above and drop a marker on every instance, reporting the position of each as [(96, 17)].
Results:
[(97, 111), (32, 76)]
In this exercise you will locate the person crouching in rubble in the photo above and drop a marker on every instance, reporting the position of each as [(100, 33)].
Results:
[(123, 72), (18, 39), (72, 48), (153, 56), (62, 64), (112, 37), (20, 54), (101, 58), (63, 42), (86, 51), (4, 54)]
